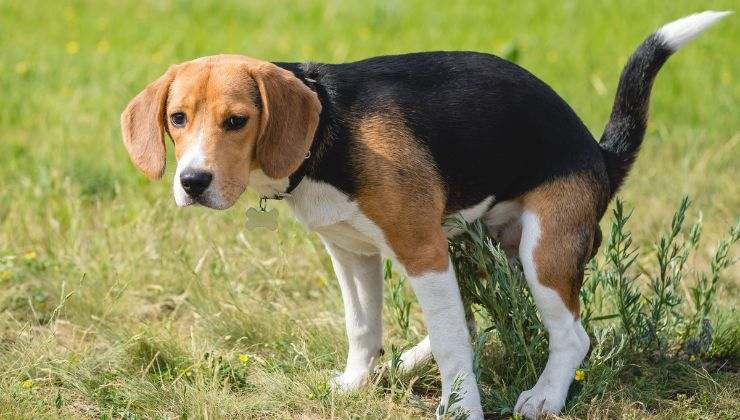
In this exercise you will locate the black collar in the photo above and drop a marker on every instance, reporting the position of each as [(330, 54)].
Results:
[(296, 177)]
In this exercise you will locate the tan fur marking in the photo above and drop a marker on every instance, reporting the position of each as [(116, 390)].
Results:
[(142, 126), (567, 209), (401, 192), (290, 115)]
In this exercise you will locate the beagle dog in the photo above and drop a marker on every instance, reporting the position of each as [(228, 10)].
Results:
[(373, 155)]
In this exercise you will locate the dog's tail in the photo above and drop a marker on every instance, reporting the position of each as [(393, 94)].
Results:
[(626, 127)]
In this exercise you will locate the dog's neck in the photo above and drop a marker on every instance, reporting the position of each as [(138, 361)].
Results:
[(328, 152)]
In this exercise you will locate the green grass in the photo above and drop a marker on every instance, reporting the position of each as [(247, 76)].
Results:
[(132, 307)]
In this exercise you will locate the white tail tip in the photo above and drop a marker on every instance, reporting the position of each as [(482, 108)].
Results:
[(681, 31)]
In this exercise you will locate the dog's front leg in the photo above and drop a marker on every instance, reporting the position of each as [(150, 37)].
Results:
[(439, 297), (361, 282)]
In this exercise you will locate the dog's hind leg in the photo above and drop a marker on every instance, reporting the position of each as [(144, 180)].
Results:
[(558, 230), (421, 353)]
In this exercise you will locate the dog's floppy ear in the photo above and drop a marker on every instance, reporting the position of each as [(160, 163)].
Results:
[(290, 115), (143, 126)]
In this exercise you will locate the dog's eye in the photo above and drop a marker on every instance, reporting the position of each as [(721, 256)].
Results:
[(235, 122), (178, 119)]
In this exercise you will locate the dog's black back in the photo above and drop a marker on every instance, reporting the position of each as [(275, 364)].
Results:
[(492, 127)]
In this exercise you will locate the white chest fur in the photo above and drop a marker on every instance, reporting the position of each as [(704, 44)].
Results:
[(336, 218), (327, 211)]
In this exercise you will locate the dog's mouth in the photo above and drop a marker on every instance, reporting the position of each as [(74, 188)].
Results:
[(209, 199), (202, 201), (211, 202)]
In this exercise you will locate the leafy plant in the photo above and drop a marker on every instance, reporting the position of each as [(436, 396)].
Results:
[(636, 312), (449, 410), (400, 303)]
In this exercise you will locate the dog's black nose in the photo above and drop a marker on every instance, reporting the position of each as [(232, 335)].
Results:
[(194, 182)]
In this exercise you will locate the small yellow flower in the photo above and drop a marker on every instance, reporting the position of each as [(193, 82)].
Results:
[(28, 384), (103, 46), (726, 77), (307, 50), (21, 67), (580, 375), (5, 274), (364, 32), (73, 47), (692, 358), (101, 23), (30, 256), (69, 13), (244, 358)]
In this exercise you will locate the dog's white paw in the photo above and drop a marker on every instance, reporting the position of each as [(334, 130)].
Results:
[(538, 402), (350, 381), (411, 359)]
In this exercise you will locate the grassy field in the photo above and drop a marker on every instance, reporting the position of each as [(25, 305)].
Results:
[(114, 303)]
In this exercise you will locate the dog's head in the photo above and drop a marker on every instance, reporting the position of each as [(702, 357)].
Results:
[(227, 115)]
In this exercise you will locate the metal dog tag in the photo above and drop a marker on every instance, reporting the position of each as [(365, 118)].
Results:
[(262, 218), (267, 219)]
